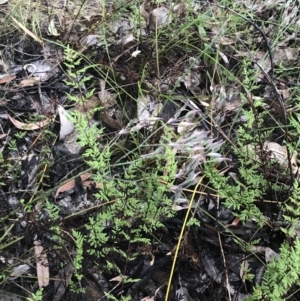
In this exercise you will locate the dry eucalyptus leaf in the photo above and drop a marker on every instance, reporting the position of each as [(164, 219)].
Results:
[(275, 152), (71, 184), (279, 153), (118, 279), (286, 56), (29, 82), (19, 270), (65, 187), (7, 78), (29, 126), (42, 265)]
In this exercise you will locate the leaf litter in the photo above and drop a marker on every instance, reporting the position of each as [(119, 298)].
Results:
[(185, 90)]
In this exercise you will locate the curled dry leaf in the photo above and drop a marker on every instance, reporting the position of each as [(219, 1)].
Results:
[(41, 69), (117, 279), (52, 31), (66, 126), (31, 125)]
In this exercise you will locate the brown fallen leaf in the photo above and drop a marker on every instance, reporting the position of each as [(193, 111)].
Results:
[(235, 222), (31, 125), (85, 176), (71, 184), (7, 78), (29, 82), (86, 182), (118, 278), (65, 187), (42, 265)]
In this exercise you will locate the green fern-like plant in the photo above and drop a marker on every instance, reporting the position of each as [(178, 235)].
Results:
[(240, 197), (37, 296), (281, 275), (135, 200)]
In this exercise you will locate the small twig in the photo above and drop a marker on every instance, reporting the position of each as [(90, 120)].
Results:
[(181, 236), (225, 267)]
